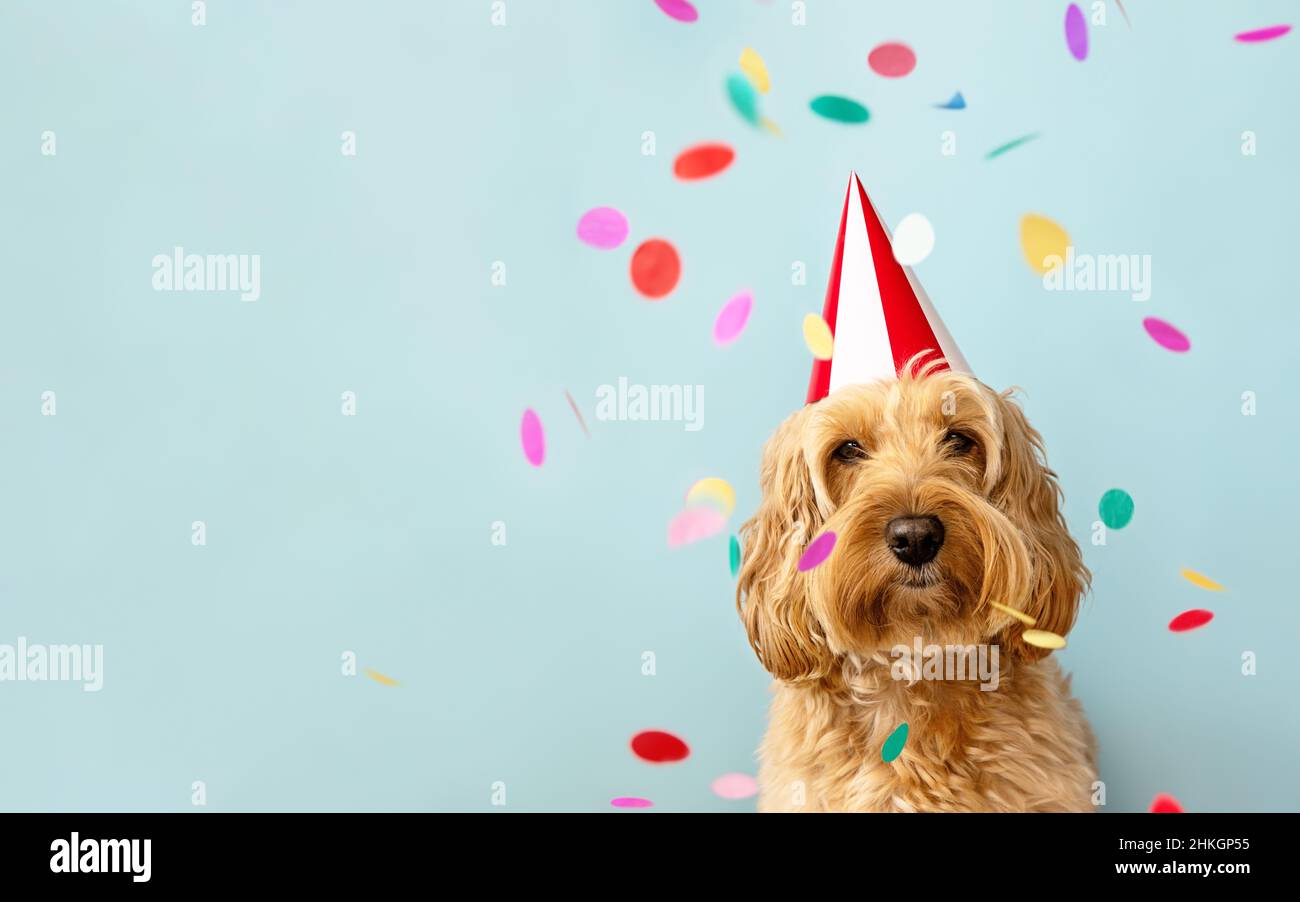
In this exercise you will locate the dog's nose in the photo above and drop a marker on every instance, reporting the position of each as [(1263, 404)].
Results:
[(914, 540)]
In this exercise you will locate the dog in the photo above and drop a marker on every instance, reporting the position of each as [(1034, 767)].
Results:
[(938, 491)]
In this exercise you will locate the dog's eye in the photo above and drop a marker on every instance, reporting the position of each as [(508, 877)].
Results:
[(958, 442), (850, 451)]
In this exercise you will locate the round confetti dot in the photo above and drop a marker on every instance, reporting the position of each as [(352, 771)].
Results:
[(678, 9), (735, 786), (714, 489), (817, 336), (694, 524), (1116, 508), (733, 554), (655, 268), (630, 802), (839, 109), (732, 318), (532, 438), (913, 239), (892, 60), (1166, 335), (743, 98), (1076, 32), (1190, 620), (702, 161), (1040, 239), (1263, 34), (755, 70), (893, 746), (1043, 639), (1164, 803), (659, 747), (1200, 579), (602, 227), (817, 551)]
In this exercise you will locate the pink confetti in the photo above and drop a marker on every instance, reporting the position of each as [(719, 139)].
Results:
[(534, 441), (732, 318), (1164, 803), (892, 60), (630, 802), (693, 524), (603, 227), (678, 9), (1263, 34), (818, 551), (1166, 335), (735, 786), (1076, 32)]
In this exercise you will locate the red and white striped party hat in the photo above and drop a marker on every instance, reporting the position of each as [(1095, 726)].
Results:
[(877, 311)]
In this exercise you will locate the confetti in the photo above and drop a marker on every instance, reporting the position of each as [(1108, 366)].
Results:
[(957, 102), (655, 268), (532, 438), (678, 9), (702, 161), (577, 413), (1076, 32), (755, 70), (817, 551), (1263, 34), (735, 786), (713, 489), (1200, 579), (630, 802), (1010, 145), (743, 98), (772, 127), (1190, 620), (893, 746), (1043, 639), (1040, 238), (1123, 12), (1019, 615), (913, 239), (892, 60), (734, 554), (659, 747), (1166, 335), (381, 679), (839, 109), (1116, 508), (1164, 803), (732, 318), (817, 336), (694, 524), (602, 227)]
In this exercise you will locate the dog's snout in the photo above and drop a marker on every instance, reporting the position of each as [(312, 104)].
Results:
[(914, 540)]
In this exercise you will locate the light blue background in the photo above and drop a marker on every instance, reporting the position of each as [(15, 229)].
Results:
[(478, 143)]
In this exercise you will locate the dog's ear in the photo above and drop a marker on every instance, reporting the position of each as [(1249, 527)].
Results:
[(1028, 493), (771, 595)]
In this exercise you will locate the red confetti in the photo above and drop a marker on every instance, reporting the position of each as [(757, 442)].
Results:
[(1164, 803), (702, 161), (892, 60), (659, 747), (656, 268), (1190, 620)]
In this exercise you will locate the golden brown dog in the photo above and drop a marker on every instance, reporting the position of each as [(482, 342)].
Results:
[(938, 491)]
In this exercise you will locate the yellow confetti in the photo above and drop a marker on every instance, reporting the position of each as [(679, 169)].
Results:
[(713, 489), (772, 127), (1019, 615), (1040, 238), (817, 336), (1200, 579), (1043, 639), (755, 70), (380, 678)]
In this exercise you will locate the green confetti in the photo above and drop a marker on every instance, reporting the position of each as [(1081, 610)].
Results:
[(839, 109), (1010, 145), (743, 98), (1116, 508), (893, 746), (735, 556)]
